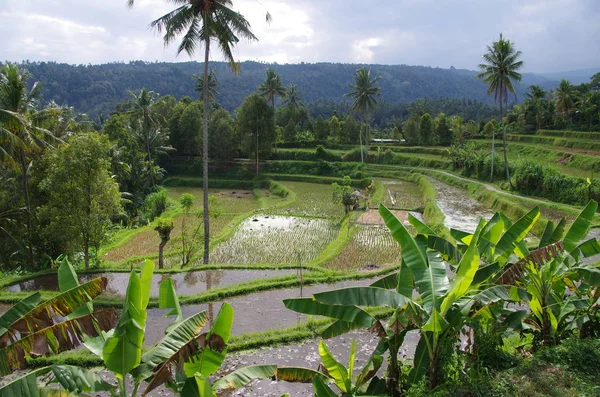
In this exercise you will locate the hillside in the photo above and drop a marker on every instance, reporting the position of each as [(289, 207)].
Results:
[(95, 89)]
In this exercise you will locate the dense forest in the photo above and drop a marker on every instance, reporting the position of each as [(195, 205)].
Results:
[(96, 89)]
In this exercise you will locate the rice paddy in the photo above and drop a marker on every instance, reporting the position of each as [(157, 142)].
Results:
[(402, 194), (312, 200), (276, 239), (370, 245)]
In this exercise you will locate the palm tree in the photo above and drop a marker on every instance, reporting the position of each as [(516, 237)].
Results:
[(145, 121), (537, 95), (499, 71), (200, 22), (19, 135), (364, 94), (566, 95), (272, 87), (213, 83), (292, 96)]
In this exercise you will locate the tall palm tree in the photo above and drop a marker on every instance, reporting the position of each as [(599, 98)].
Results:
[(272, 87), (292, 96), (213, 83), (201, 22), (566, 95), (364, 98), (19, 134), (499, 71), (146, 125)]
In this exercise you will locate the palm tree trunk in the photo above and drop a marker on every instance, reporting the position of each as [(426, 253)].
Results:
[(493, 153), (362, 158), (273, 105), (27, 203), (504, 143), (205, 151)]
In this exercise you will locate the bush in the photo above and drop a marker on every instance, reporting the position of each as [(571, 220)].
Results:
[(155, 204), (581, 355), (323, 154), (541, 180)]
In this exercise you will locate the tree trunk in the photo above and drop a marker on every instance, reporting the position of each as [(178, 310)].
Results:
[(24, 169), (362, 158), (273, 105), (493, 154), (205, 152), (504, 143), (161, 257), (433, 371)]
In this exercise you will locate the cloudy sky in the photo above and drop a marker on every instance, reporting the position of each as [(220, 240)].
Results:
[(554, 35)]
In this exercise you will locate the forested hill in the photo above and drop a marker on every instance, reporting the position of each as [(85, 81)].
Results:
[(95, 89)]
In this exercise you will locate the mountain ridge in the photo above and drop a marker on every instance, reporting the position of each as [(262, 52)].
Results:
[(96, 89)]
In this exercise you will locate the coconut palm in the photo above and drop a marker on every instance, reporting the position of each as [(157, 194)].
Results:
[(19, 134), (213, 83), (201, 22), (146, 125), (364, 97), (499, 71), (292, 96), (536, 96), (565, 95), (272, 87)]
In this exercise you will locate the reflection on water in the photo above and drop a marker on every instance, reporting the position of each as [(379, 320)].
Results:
[(461, 211), (187, 283)]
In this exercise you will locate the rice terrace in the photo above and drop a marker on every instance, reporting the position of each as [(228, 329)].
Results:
[(266, 220)]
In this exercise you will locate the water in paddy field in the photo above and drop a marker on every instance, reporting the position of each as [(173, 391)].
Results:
[(462, 212), (186, 283), (276, 239), (256, 312)]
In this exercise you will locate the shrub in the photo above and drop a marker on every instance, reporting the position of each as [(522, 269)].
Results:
[(155, 204)]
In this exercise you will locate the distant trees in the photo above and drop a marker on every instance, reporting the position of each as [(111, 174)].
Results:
[(255, 127), (499, 71), (426, 130), (443, 131)]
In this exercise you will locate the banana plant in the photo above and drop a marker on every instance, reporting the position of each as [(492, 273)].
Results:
[(330, 371), (32, 328), (438, 307)]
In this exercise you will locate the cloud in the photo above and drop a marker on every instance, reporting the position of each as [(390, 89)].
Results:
[(552, 34)]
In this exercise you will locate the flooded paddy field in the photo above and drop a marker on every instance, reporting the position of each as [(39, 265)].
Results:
[(276, 239), (461, 210), (402, 194), (187, 283)]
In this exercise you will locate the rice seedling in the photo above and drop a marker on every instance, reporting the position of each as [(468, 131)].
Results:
[(402, 194), (275, 239), (370, 245), (231, 201), (313, 199)]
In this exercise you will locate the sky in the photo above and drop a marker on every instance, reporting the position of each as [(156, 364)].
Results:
[(554, 35)]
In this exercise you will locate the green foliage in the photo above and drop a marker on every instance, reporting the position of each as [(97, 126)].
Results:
[(426, 130), (443, 132), (82, 196), (541, 180), (254, 117), (155, 204)]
